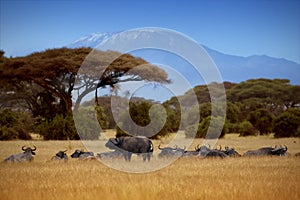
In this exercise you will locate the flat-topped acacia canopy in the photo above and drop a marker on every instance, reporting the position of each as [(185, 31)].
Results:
[(55, 71)]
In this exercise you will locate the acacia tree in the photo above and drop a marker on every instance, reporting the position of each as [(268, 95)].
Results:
[(54, 72)]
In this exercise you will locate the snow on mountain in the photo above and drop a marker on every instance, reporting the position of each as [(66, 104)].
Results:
[(232, 68)]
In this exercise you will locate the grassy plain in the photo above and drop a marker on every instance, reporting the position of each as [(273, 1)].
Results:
[(187, 178)]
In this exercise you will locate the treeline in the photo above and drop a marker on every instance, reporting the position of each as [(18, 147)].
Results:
[(254, 107), (41, 85), (36, 92)]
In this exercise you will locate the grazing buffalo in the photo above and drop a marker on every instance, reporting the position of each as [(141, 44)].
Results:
[(60, 156), (26, 156), (110, 155), (268, 151), (206, 152), (82, 155), (168, 152), (132, 145)]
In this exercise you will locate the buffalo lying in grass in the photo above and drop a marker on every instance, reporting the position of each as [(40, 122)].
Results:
[(268, 151), (26, 156)]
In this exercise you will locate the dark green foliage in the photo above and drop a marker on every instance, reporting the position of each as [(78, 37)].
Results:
[(210, 128), (262, 120), (60, 128), (288, 123), (247, 129), (101, 117), (15, 125), (140, 115)]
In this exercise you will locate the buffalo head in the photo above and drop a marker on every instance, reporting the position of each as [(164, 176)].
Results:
[(29, 150)]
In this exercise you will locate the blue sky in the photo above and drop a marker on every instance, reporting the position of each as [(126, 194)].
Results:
[(242, 28)]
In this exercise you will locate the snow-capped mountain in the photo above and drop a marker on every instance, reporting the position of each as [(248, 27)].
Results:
[(232, 68), (91, 40)]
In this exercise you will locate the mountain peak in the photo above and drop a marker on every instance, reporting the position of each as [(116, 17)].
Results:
[(232, 68)]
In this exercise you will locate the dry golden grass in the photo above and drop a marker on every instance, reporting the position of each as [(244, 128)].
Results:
[(189, 178)]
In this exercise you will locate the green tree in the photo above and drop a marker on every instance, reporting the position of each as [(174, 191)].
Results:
[(247, 129), (262, 120), (15, 125), (55, 71), (59, 128), (140, 115), (287, 124), (210, 127)]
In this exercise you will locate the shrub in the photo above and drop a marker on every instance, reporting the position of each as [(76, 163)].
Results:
[(262, 120), (60, 128), (287, 124), (15, 125), (209, 128), (247, 129)]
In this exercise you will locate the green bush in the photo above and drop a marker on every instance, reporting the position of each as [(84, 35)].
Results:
[(60, 128), (287, 124), (262, 120), (8, 133), (247, 129), (209, 128), (87, 122), (15, 125)]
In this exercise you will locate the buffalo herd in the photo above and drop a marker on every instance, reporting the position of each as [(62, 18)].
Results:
[(124, 147)]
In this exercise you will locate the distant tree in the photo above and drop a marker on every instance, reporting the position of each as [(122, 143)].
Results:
[(2, 57), (59, 128), (173, 116), (262, 120), (15, 125), (275, 95), (210, 128), (139, 112), (247, 129), (287, 124)]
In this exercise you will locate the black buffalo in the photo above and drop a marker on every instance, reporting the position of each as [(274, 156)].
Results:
[(82, 155), (60, 156), (268, 151), (132, 145), (206, 152), (192, 153), (231, 152)]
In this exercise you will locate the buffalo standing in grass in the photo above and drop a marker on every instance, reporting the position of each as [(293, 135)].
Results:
[(268, 151), (132, 145), (26, 156)]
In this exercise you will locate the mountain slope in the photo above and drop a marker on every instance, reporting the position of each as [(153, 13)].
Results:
[(232, 68)]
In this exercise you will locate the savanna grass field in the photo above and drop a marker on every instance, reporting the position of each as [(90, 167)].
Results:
[(186, 178)]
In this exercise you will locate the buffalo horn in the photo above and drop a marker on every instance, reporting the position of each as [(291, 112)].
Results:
[(159, 147)]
